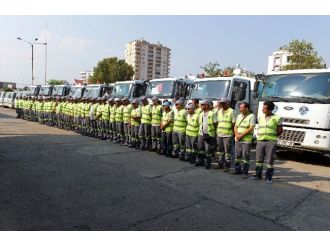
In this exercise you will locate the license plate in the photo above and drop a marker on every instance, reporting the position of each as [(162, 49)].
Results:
[(285, 143)]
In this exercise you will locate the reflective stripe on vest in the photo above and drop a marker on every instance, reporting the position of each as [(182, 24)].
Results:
[(267, 131), (192, 125), (156, 115), (225, 121), (243, 126), (180, 121), (210, 123), (146, 114)]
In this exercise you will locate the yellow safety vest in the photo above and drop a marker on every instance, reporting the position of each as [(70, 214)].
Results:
[(225, 122), (267, 130), (180, 121), (192, 125), (242, 125)]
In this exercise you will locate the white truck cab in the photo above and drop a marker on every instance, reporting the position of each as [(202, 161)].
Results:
[(234, 88), (302, 100), (168, 88), (130, 89)]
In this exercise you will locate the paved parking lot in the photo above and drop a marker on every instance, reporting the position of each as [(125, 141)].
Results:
[(53, 179)]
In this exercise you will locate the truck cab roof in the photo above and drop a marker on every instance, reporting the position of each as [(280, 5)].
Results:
[(299, 71)]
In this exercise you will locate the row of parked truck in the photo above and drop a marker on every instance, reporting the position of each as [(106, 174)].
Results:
[(302, 99)]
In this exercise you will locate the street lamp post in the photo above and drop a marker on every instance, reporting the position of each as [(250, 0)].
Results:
[(32, 46)]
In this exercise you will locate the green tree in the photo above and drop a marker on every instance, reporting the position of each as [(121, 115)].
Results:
[(8, 89), (212, 69), (302, 56), (54, 82), (110, 70)]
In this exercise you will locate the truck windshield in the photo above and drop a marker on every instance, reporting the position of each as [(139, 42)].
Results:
[(32, 91), (58, 91), (92, 92), (160, 89), (75, 92), (44, 91), (122, 90), (211, 89), (313, 86)]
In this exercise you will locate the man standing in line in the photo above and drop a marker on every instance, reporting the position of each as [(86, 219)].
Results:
[(191, 134), (206, 137), (127, 108), (226, 122), (156, 117), (179, 130), (135, 117), (243, 129), (269, 128), (145, 126), (166, 127)]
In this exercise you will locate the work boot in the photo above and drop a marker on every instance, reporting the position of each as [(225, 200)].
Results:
[(181, 156), (237, 170), (258, 174), (269, 175), (207, 162), (199, 160), (175, 154), (246, 169), (192, 159), (187, 157)]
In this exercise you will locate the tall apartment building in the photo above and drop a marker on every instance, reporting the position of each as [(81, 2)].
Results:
[(150, 61), (84, 75), (277, 60)]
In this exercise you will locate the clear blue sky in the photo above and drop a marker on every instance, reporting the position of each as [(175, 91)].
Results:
[(77, 43)]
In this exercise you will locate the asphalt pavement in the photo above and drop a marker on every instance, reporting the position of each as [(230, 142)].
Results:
[(52, 179)]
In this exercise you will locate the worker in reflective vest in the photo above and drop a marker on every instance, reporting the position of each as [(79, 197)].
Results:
[(179, 130), (145, 126), (206, 138), (119, 121), (127, 108), (269, 128), (135, 117), (191, 134), (112, 123), (226, 122), (105, 118), (166, 127), (156, 117), (243, 129)]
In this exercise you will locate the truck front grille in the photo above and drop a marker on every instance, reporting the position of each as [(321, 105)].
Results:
[(295, 121), (297, 137)]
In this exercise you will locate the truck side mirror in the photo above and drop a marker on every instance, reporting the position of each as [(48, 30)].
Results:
[(240, 92), (256, 86)]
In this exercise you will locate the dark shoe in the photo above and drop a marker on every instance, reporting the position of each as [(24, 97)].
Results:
[(256, 177), (235, 172)]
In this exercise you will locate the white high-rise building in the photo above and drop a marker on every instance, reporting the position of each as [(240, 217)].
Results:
[(150, 61), (84, 75), (277, 60)]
